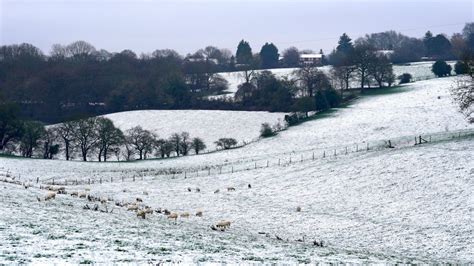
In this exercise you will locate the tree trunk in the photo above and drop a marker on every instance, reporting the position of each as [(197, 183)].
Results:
[(105, 154), (66, 144)]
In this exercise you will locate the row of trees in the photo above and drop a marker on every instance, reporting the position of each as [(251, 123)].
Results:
[(78, 79), (92, 137)]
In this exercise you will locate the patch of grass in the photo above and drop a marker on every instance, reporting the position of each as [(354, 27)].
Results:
[(86, 261)]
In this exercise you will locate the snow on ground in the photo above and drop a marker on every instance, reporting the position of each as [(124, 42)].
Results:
[(419, 71), (408, 204), (206, 124)]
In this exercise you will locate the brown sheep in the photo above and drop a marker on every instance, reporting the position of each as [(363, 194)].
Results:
[(298, 209), (50, 195), (199, 213), (231, 189)]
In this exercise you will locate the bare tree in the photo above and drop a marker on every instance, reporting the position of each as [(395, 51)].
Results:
[(32, 133), (364, 56), (310, 80), (381, 71), (463, 93), (197, 144), (50, 147), (142, 140), (185, 144), (108, 137), (175, 140), (343, 75), (85, 135), (65, 131)]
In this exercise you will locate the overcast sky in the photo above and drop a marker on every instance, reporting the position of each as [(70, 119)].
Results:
[(187, 25)]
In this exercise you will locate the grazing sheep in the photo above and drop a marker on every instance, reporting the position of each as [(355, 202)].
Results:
[(103, 200), (74, 194), (50, 195), (185, 215), (166, 212), (198, 189), (145, 193), (132, 207), (26, 185), (223, 224), (199, 213), (118, 204), (87, 189), (298, 209), (82, 194), (231, 189), (217, 191), (139, 200), (189, 189), (141, 213), (249, 186), (148, 210), (173, 216)]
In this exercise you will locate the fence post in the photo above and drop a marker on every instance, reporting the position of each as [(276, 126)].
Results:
[(185, 175), (53, 181), (76, 182), (89, 181), (255, 165), (278, 161), (324, 154), (197, 173), (37, 180), (100, 180), (111, 179), (430, 138), (301, 157), (335, 154), (267, 163), (346, 150), (313, 155), (232, 169), (290, 159), (209, 171), (367, 146), (133, 178), (220, 169), (122, 178)]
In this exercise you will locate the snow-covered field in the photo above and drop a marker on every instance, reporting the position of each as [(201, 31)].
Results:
[(419, 71), (408, 204), (206, 124)]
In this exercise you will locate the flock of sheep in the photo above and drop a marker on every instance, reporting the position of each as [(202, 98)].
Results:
[(136, 206), (141, 210)]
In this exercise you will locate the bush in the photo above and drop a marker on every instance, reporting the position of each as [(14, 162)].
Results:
[(266, 131), (441, 69), (461, 68), (333, 98), (405, 78)]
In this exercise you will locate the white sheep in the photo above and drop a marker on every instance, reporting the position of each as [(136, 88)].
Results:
[(50, 195), (223, 224)]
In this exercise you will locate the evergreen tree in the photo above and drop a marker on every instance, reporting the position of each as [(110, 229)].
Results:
[(269, 56), (244, 53)]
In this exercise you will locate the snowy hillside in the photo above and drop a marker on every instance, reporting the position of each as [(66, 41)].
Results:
[(403, 204), (208, 125), (419, 71)]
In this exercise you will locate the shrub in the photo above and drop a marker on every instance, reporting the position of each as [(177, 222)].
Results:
[(405, 78), (461, 68), (441, 69), (266, 131)]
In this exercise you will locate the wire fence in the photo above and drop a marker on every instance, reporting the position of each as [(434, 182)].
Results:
[(247, 164)]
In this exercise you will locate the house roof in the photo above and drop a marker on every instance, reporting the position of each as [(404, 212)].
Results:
[(311, 56)]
